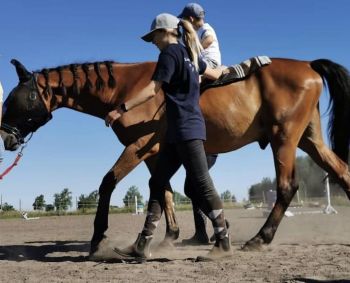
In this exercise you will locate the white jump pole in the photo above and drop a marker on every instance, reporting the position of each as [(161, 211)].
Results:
[(136, 205), (329, 208)]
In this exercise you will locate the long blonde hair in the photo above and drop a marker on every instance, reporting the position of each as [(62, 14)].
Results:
[(191, 41)]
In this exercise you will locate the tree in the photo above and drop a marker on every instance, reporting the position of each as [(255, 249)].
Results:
[(63, 200), (233, 199), (309, 176), (39, 203), (257, 191), (7, 207), (89, 201), (49, 207), (129, 198), (226, 195)]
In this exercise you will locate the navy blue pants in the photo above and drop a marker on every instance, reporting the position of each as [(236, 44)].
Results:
[(192, 156)]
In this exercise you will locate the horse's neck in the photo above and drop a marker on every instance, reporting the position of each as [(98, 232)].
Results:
[(81, 93)]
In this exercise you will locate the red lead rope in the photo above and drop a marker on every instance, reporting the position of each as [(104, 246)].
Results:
[(19, 155)]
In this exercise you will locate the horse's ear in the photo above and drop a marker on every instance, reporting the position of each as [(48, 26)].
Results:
[(23, 74)]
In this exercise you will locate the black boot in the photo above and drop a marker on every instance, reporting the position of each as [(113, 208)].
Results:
[(200, 237), (221, 249), (212, 238), (138, 251)]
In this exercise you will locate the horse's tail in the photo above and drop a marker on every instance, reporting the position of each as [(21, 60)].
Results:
[(337, 78)]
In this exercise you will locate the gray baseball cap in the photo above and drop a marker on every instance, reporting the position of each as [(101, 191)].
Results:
[(162, 21), (192, 10)]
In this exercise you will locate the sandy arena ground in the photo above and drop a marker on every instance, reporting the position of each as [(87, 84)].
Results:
[(307, 248)]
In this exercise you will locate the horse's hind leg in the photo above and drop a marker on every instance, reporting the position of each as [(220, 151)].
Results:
[(312, 143), (284, 156)]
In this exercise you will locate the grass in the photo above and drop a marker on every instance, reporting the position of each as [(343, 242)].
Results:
[(17, 214), (336, 201)]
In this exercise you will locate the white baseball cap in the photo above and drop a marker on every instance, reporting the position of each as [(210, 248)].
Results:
[(162, 21)]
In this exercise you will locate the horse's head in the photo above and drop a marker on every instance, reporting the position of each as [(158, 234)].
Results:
[(24, 110)]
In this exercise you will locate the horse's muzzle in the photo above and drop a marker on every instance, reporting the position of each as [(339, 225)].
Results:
[(10, 141)]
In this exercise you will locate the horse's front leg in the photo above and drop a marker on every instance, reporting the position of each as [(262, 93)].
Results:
[(128, 160)]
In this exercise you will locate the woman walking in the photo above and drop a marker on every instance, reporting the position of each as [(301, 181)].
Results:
[(177, 74), (211, 55)]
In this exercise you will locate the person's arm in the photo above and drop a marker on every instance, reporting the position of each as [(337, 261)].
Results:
[(144, 95), (214, 74), (207, 41)]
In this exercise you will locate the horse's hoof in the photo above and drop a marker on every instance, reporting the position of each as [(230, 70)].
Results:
[(172, 235), (101, 251), (255, 244)]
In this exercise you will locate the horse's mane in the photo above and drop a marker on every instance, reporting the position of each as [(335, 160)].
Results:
[(85, 67)]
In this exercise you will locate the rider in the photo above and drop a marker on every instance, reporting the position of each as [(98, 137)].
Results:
[(194, 13), (177, 74)]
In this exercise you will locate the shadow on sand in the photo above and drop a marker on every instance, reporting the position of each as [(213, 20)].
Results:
[(309, 280), (46, 251), (56, 251)]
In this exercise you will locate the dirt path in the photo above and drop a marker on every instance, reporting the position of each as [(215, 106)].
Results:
[(307, 248)]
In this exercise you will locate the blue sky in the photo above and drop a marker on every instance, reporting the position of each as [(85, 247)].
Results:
[(74, 150)]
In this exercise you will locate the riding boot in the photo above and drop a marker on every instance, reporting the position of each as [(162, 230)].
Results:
[(140, 250), (200, 237), (213, 238), (221, 249)]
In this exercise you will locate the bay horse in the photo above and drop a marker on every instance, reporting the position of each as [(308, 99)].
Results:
[(277, 105)]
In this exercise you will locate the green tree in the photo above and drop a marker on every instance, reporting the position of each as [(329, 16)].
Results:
[(63, 200), (226, 195), (39, 203), (129, 198), (309, 176), (89, 201), (233, 199), (257, 191), (7, 207), (49, 207)]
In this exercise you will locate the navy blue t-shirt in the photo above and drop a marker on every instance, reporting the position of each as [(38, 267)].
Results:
[(181, 87)]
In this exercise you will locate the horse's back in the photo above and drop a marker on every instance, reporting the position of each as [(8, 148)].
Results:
[(244, 112)]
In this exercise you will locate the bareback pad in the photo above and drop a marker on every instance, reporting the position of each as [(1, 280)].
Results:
[(237, 72)]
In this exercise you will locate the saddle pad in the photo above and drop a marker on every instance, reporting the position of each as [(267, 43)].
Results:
[(238, 72)]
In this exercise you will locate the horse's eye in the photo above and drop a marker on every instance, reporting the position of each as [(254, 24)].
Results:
[(32, 96)]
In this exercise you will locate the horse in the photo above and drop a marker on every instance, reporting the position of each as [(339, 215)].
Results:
[(276, 105)]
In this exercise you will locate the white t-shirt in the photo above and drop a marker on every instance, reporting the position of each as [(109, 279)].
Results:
[(212, 53), (1, 93)]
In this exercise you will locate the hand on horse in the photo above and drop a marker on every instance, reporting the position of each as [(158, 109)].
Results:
[(113, 116)]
